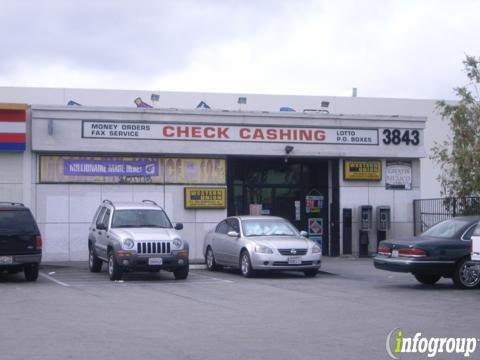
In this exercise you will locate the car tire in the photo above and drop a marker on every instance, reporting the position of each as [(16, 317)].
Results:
[(463, 278), (427, 279), (31, 272), (210, 260), (181, 273), (246, 264), (94, 262), (114, 270), (309, 273)]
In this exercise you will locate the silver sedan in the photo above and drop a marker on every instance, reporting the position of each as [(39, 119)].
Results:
[(260, 243)]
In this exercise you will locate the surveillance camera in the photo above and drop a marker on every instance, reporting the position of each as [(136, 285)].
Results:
[(288, 149)]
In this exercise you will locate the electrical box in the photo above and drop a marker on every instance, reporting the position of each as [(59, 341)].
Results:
[(365, 217), (383, 218)]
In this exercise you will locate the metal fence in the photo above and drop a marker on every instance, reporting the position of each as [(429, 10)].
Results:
[(428, 212)]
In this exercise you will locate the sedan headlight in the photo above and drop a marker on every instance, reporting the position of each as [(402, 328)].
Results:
[(263, 249), (316, 249), (128, 244), (177, 244)]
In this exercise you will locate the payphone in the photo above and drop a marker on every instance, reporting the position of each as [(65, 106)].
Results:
[(383, 222), (365, 227)]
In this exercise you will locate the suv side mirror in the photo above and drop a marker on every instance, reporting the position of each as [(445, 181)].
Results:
[(178, 226), (101, 226), (304, 233)]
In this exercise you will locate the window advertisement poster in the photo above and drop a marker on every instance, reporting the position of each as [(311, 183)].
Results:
[(255, 209), (109, 170), (362, 170), (398, 175), (315, 226), (194, 171), (297, 210), (130, 170), (313, 204)]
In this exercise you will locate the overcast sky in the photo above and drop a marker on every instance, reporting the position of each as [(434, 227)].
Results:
[(400, 48)]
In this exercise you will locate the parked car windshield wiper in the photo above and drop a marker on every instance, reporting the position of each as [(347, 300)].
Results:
[(153, 225)]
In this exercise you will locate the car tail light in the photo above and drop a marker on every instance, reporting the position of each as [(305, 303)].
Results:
[(383, 250), (38, 242), (412, 252)]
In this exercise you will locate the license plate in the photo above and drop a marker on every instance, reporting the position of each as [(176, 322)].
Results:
[(394, 253), (155, 261), (6, 260), (295, 260)]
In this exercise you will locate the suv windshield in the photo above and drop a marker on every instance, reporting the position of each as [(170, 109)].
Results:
[(140, 218), (17, 221)]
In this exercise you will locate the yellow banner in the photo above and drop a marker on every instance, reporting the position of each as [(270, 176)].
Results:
[(362, 170), (205, 198), (130, 170)]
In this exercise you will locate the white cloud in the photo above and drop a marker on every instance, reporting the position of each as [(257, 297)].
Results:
[(384, 48)]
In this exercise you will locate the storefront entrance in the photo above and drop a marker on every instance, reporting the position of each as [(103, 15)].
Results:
[(296, 189)]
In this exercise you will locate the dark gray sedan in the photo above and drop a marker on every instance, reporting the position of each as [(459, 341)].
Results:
[(441, 251), (253, 243)]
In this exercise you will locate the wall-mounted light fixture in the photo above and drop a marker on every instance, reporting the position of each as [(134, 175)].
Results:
[(288, 150)]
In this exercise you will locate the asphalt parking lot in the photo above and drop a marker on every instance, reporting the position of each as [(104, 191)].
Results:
[(346, 312)]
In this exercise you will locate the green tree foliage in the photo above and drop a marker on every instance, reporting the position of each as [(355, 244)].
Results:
[(459, 155)]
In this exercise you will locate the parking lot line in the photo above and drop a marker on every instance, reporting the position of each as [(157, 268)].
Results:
[(69, 278), (46, 276)]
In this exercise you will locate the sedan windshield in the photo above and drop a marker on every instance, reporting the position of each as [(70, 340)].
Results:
[(446, 229), (140, 218), (268, 228)]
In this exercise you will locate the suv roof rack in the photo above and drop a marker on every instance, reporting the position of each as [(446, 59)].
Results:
[(109, 202), (11, 203), (150, 202)]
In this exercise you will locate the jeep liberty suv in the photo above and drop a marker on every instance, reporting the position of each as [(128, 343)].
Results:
[(20, 241), (136, 237)]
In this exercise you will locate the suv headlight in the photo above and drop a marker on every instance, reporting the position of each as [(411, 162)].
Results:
[(128, 244), (316, 249), (263, 249), (177, 244)]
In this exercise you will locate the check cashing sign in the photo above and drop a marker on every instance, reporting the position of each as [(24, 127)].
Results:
[(227, 133)]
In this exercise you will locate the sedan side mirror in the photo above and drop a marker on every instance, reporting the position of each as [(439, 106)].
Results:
[(304, 233), (233, 234), (178, 226)]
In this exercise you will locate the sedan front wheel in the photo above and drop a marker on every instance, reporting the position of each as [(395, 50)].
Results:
[(246, 264)]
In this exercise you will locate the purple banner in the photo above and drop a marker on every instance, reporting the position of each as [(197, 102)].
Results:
[(80, 167)]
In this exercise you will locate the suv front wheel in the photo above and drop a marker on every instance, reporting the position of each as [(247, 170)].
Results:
[(114, 270), (94, 262), (181, 273)]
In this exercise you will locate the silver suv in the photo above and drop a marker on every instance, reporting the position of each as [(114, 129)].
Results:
[(136, 236)]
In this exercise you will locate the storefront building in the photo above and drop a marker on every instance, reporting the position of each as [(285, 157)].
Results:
[(346, 179)]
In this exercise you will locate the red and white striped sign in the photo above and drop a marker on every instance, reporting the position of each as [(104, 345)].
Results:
[(13, 129)]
